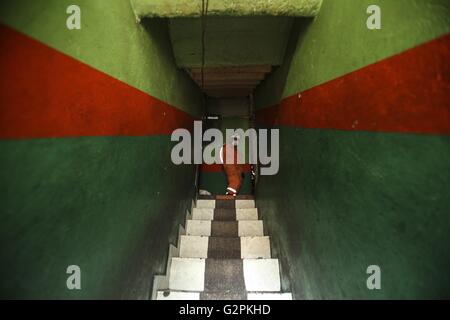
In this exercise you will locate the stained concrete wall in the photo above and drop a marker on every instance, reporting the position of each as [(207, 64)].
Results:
[(364, 145), (86, 177)]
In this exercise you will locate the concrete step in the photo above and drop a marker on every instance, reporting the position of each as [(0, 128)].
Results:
[(224, 214), (224, 247), (225, 204), (177, 295), (182, 295), (269, 296), (205, 203), (244, 204), (187, 274), (221, 275), (241, 228)]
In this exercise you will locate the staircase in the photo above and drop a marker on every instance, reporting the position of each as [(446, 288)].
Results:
[(222, 254)]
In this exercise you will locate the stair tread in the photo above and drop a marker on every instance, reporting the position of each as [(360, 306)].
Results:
[(197, 274), (230, 204), (223, 255), (269, 296), (225, 247), (224, 214), (187, 274), (225, 228)]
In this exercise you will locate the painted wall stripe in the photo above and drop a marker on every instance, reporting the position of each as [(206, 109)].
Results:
[(406, 93), (45, 93)]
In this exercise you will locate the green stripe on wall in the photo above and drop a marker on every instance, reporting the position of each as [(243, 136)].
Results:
[(345, 200), (105, 204), (111, 41)]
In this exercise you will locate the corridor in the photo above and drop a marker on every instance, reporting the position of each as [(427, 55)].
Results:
[(94, 207)]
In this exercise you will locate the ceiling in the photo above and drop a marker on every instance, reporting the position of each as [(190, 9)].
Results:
[(238, 53), (237, 44), (229, 82)]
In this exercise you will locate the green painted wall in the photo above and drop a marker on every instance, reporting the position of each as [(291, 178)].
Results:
[(189, 8), (344, 200), (107, 204), (337, 42), (111, 41), (230, 41)]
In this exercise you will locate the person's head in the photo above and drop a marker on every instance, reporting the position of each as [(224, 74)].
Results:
[(235, 139)]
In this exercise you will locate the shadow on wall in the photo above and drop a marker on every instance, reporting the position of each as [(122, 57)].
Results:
[(157, 32)]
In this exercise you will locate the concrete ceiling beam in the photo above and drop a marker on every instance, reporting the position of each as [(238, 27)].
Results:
[(190, 8)]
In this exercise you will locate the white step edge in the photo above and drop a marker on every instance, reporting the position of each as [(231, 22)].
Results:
[(269, 296), (198, 227), (194, 247), (255, 247), (161, 282), (183, 295), (187, 274), (206, 203), (246, 228), (262, 275), (208, 214), (251, 247), (244, 204), (203, 214), (250, 228), (239, 204), (247, 214), (178, 295)]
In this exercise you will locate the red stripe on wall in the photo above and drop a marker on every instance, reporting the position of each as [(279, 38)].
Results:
[(219, 168), (409, 93), (45, 93)]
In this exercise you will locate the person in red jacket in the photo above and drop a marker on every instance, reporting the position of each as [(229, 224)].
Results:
[(233, 170)]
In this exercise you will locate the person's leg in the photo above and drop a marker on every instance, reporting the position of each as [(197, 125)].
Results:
[(234, 179)]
